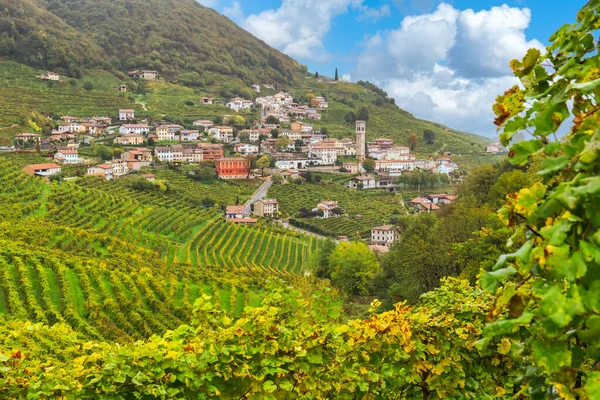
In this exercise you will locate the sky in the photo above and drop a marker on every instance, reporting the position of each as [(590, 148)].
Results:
[(444, 61)]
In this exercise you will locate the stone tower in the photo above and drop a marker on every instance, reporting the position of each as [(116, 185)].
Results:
[(361, 145)]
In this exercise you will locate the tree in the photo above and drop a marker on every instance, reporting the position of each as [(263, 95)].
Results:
[(363, 114), (310, 98), (87, 85), (350, 117), (412, 141), (369, 165), (244, 136), (429, 136), (317, 75), (274, 133), (298, 143), (150, 141), (271, 119), (319, 264), (336, 74), (263, 163), (277, 179), (353, 265), (218, 120), (283, 142)]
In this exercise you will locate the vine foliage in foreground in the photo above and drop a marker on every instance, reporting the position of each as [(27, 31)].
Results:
[(548, 291)]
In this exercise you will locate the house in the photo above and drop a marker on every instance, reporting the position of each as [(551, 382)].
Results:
[(255, 134), (495, 147), (140, 129), (256, 88), (149, 177), (322, 102), (26, 137), (119, 168), (50, 76), (168, 131), (289, 174), (383, 235), (205, 123), (206, 101), (143, 74), (327, 207), (363, 182), (300, 126), (102, 170), (238, 104), (44, 170), (131, 139), (188, 135), (266, 208), (163, 153), (383, 143), (92, 128), (191, 154), (288, 164), (67, 156), (222, 133), (441, 198), (233, 168), (327, 151), (283, 97), (122, 88), (244, 148), (234, 212), (293, 135), (73, 127), (137, 154), (398, 153), (210, 151), (126, 114), (422, 204), (446, 168)]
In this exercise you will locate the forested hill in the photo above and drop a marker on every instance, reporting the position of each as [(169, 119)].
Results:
[(171, 36)]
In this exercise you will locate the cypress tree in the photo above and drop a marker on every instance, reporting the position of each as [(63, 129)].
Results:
[(336, 74)]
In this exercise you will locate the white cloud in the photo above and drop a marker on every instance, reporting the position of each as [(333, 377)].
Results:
[(209, 3), (374, 14), (449, 65), (298, 27), (234, 12)]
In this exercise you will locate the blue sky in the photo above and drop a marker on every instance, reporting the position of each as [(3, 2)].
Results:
[(442, 61)]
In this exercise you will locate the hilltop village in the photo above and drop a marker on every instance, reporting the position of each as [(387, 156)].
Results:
[(282, 148)]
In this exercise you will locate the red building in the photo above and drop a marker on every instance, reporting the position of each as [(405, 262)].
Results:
[(210, 151), (233, 168)]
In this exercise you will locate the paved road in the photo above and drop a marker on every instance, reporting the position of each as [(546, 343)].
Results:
[(259, 194)]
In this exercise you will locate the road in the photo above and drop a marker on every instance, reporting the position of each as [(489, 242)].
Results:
[(259, 194)]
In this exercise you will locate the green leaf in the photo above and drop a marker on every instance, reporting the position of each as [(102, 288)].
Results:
[(552, 165), (586, 87), (557, 232), (269, 386), (592, 386), (552, 148), (490, 280), (521, 151), (553, 356)]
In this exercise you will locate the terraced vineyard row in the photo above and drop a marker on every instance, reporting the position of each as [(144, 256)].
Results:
[(364, 209), (108, 300), (105, 220)]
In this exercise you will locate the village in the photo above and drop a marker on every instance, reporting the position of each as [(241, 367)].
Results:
[(283, 145)]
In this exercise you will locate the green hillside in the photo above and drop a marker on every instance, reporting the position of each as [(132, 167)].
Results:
[(179, 38), (122, 264)]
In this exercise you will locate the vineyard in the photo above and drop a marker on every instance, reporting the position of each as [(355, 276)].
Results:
[(364, 209), (118, 263)]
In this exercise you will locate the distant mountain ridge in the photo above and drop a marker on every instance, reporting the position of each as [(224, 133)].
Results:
[(171, 36)]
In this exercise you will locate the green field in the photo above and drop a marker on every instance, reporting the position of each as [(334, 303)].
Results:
[(364, 209), (122, 264)]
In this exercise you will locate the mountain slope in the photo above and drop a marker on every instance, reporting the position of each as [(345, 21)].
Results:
[(171, 36)]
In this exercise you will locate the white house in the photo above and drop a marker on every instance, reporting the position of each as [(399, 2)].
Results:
[(495, 147), (140, 129), (222, 133), (238, 104), (327, 207), (126, 114), (205, 123), (188, 135), (74, 127), (245, 148), (383, 235), (293, 163), (234, 212), (256, 88), (363, 182), (67, 156)]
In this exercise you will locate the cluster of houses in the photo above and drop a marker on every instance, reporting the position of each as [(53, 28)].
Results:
[(283, 107), (495, 147), (431, 202), (268, 208)]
